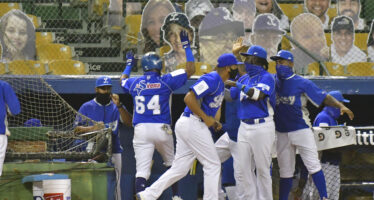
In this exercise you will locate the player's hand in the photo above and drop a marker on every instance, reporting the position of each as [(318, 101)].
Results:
[(217, 126), (98, 126), (230, 83), (347, 111), (237, 46), (184, 39), (115, 99)]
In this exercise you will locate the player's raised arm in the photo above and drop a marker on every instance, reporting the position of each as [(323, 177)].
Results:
[(130, 61), (125, 116), (190, 65), (331, 101)]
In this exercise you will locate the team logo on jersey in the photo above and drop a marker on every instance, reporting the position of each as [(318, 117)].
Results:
[(217, 101), (143, 85), (290, 100)]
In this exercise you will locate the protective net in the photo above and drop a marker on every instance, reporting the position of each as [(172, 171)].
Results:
[(45, 127)]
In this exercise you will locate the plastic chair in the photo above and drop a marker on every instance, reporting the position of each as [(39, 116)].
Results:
[(132, 28), (70, 67), (2, 68), (291, 10), (99, 6), (48, 52), (27, 67), (332, 11), (37, 21), (6, 7), (271, 68), (361, 69), (313, 69), (44, 38), (335, 69)]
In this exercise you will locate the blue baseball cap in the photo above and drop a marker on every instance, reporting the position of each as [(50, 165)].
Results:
[(283, 54), (257, 51), (33, 122), (227, 59), (103, 81), (338, 96)]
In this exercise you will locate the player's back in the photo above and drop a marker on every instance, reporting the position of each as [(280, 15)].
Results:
[(151, 95)]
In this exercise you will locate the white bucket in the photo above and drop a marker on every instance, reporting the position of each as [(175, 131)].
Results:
[(59, 189), (37, 190)]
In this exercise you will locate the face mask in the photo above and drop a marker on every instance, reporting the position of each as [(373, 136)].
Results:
[(334, 112), (283, 71), (253, 70), (233, 73), (103, 98)]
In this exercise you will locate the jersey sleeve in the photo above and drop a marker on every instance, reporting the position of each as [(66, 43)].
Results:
[(80, 118), (314, 93), (203, 86), (126, 84), (266, 84), (11, 100), (234, 93), (175, 79)]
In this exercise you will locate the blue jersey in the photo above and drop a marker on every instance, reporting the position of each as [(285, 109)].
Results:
[(251, 109), (151, 95), (8, 101), (324, 119), (209, 89), (293, 93), (108, 114)]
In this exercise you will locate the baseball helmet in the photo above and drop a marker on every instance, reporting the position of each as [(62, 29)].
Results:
[(151, 61)]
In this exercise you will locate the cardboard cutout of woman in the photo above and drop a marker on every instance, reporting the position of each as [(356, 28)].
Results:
[(17, 36), (153, 17)]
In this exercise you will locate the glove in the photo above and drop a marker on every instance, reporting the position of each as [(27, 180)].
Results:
[(186, 46), (130, 60)]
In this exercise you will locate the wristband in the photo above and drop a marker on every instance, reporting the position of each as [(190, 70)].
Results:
[(256, 94), (127, 70), (189, 55)]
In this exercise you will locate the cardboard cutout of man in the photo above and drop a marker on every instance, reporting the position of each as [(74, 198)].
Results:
[(217, 32), (245, 11), (196, 11), (271, 6), (352, 9), (319, 8), (343, 50), (308, 31)]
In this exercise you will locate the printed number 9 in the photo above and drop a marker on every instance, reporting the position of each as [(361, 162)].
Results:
[(153, 104)]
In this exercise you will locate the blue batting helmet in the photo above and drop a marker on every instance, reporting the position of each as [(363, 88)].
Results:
[(151, 61)]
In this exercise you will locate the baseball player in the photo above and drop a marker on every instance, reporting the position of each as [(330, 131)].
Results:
[(106, 109), (151, 95), (256, 132), (226, 144), (8, 103), (194, 139), (293, 126)]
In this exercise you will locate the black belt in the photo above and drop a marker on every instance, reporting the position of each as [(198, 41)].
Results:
[(253, 121)]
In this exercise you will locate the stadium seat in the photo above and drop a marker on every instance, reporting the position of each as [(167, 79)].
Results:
[(99, 7), (332, 11), (200, 68), (44, 38), (335, 69), (271, 68), (2, 68), (313, 69), (35, 20), (6, 7), (164, 49), (361, 69), (285, 43), (27, 67), (48, 52), (68, 67), (132, 28), (291, 10)]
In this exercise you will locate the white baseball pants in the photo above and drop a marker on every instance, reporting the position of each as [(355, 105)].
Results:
[(3, 145), (194, 140), (225, 149), (255, 144), (147, 137), (117, 161), (303, 141)]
